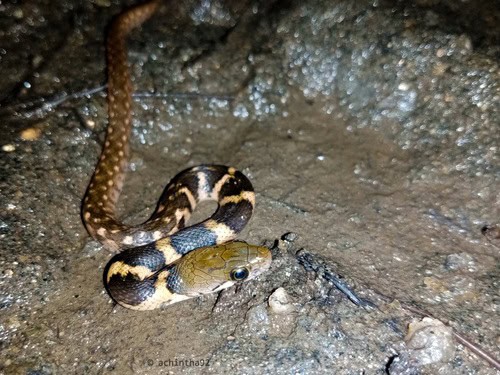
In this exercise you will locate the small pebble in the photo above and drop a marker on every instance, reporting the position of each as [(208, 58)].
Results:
[(290, 237), (31, 134), (90, 124), (430, 341), (8, 273), (18, 14), (9, 147), (440, 52), (279, 302)]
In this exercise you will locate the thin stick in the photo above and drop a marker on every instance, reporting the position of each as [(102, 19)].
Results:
[(46, 104), (318, 265)]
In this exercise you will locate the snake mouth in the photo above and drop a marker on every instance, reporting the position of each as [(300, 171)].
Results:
[(261, 261)]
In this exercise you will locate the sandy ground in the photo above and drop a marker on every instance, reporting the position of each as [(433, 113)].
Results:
[(369, 129)]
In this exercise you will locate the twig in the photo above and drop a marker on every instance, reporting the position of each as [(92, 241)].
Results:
[(42, 105), (473, 347), (45, 104), (312, 263), (315, 263)]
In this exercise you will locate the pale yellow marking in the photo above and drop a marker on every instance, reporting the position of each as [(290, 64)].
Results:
[(157, 235), (173, 230), (180, 213), (168, 251), (244, 195), (86, 216), (162, 293), (189, 195), (155, 302), (222, 231), (202, 186), (127, 240), (231, 171), (120, 268), (101, 231), (218, 186)]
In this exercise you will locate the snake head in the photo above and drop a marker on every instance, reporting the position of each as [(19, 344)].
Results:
[(214, 268)]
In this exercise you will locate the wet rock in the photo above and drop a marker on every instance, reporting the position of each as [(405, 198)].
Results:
[(430, 341), (376, 80)]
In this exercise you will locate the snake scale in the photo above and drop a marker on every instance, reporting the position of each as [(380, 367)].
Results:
[(161, 261)]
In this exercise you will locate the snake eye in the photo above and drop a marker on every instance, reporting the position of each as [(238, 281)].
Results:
[(239, 274)]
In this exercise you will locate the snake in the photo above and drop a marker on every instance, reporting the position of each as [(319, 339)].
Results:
[(161, 261)]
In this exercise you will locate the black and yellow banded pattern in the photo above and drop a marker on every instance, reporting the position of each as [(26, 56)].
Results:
[(156, 264)]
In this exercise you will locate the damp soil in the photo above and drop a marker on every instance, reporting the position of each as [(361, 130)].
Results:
[(368, 129)]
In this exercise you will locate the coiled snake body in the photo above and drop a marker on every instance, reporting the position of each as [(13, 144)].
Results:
[(157, 264)]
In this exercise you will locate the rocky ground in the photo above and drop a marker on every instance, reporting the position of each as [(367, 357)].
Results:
[(370, 130)]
